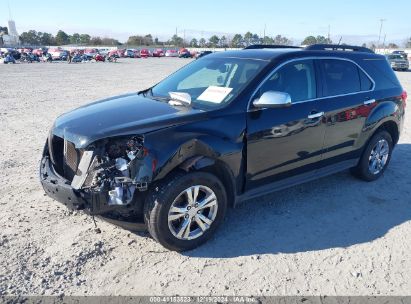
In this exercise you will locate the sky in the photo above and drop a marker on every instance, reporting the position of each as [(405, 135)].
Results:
[(353, 20)]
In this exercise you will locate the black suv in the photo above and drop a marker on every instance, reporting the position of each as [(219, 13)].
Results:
[(223, 129)]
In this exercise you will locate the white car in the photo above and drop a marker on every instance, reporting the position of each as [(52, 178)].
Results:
[(56, 53), (171, 53)]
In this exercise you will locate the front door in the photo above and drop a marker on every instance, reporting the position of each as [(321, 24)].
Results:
[(285, 142)]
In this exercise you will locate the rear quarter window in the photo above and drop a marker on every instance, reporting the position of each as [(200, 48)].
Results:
[(381, 72), (366, 83)]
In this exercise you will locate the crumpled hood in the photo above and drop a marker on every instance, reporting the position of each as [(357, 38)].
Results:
[(121, 115)]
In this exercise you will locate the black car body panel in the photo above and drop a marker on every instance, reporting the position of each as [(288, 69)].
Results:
[(122, 115), (253, 151)]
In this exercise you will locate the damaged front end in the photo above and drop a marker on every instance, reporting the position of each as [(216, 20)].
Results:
[(108, 177)]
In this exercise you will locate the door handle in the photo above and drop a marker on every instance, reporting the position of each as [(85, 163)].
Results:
[(315, 115), (368, 102)]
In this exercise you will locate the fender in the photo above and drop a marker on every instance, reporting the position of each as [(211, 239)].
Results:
[(385, 111), (190, 151)]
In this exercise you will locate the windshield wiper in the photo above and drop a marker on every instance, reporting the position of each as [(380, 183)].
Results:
[(179, 98), (145, 92)]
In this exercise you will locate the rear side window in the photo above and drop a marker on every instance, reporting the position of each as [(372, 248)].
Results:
[(340, 77)]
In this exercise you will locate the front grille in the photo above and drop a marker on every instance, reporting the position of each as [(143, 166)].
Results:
[(56, 151), (71, 159), (64, 156)]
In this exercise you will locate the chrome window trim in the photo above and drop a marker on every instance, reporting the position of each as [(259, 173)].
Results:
[(313, 99)]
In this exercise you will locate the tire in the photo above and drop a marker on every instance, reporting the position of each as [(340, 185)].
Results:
[(364, 170), (171, 192)]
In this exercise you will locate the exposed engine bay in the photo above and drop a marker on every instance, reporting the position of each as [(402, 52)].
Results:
[(99, 178), (112, 168)]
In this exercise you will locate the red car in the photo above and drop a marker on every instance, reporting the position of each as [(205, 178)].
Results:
[(90, 51), (121, 53), (99, 57), (113, 53), (38, 52), (144, 53), (158, 53)]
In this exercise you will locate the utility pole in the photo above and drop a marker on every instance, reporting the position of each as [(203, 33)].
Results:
[(379, 36), (265, 26), (329, 34), (383, 44), (8, 5)]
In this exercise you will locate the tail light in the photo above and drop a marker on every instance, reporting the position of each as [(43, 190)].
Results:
[(404, 97)]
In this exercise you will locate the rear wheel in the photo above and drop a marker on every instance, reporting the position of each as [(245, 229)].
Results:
[(184, 210), (375, 158)]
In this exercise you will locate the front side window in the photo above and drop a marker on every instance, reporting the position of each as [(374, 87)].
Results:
[(296, 78), (340, 77)]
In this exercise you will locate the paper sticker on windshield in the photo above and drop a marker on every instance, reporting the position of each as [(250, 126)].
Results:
[(215, 94)]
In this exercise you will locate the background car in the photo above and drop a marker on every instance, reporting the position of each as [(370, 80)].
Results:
[(121, 52), (184, 53), (113, 53), (171, 53), (91, 53), (397, 62), (145, 53), (103, 52), (158, 53), (202, 54), (39, 52), (99, 57), (130, 53), (55, 53), (9, 59), (402, 53), (64, 55)]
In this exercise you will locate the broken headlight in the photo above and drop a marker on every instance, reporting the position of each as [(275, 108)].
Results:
[(111, 168)]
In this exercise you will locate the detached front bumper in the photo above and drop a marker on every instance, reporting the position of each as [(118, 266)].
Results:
[(59, 189)]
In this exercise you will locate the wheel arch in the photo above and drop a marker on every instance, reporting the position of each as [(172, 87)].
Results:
[(385, 116), (219, 156), (392, 128), (216, 167)]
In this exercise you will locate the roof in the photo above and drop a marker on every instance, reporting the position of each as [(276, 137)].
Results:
[(272, 52), (258, 54)]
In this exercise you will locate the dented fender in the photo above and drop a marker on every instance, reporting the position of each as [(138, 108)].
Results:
[(174, 148)]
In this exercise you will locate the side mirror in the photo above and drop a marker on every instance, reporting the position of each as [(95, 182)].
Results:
[(273, 99)]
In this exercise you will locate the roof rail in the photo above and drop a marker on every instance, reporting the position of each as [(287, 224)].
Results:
[(270, 46), (338, 47)]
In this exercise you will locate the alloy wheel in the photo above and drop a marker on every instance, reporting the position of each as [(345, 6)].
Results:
[(192, 212), (379, 156)]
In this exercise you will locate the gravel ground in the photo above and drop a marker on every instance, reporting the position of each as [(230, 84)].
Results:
[(334, 236)]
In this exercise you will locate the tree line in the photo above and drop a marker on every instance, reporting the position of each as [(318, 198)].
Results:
[(236, 41), (33, 37)]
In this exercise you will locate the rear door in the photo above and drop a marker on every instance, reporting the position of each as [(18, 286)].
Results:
[(347, 99)]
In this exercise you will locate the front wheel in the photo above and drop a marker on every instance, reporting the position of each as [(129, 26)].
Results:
[(375, 158), (184, 211)]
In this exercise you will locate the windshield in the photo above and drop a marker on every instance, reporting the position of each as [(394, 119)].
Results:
[(210, 82), (395, 57)]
